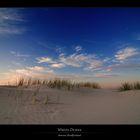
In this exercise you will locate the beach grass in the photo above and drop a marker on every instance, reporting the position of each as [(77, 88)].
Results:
[(130, 86), (136, 85), (55, 83)]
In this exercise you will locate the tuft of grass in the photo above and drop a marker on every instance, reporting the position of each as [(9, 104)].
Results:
[(125, 86), (129, 86), (29, 81), (136, 85), (88, 85), (56, 83), (21, 82)]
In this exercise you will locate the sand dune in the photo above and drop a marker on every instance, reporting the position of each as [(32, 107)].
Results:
[(79, 106)]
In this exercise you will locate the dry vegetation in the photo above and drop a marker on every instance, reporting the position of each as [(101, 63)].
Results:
[(130, 86), (56, 83)]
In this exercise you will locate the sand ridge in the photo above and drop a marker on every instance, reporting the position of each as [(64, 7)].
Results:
[(80, 106)]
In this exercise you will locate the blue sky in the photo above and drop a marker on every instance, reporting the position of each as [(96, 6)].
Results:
[(92, 44)]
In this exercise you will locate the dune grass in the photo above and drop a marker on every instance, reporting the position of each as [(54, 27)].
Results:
[(136, 85), (130, 86), (125, 86), (56, 83)]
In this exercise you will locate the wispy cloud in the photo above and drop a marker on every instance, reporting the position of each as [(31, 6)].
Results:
[(99, 67), (45, 60), (78, 48), (62, 54), (73, 60), (81, 60), (18, 54), (126, 53), (13, 52), (11, 30), (107, 59), (105, 75), (77, 60), (16, 63), (9, 17), (59, 50), (94, 64), (58, 65), (122, 66), (91, 62), (37, 68), (35, 72), (10, 14)]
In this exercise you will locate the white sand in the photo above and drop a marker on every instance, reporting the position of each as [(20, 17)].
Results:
[(81, 106)]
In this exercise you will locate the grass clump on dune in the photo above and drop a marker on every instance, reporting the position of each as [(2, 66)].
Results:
[(125, 86), (88, 85), (130, 86), (20, 82), (56, 83), (136, 85)]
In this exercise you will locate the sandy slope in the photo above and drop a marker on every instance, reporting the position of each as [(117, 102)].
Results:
[(81, 106)]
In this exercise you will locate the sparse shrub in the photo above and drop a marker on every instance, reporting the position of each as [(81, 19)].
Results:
[(20, 82), (88, 85), (126, 86), (95, 85), (129, 86), (136, 85), (56, 83), (29, 82)]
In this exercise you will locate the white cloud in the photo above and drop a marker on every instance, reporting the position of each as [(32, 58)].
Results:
[(59, 50), (13, 52), (122, 66), (40, 69), (107, 59), (78, 48), (11, 30), (10, 14), (126, 53), (61, 54), (36, 68), (94, 64), (73, 60), (22, 55), (77, 60), (82, 60), (34, 72), (18, 54), (23, 71), (9, 17), (58, 65), (45, 60)]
